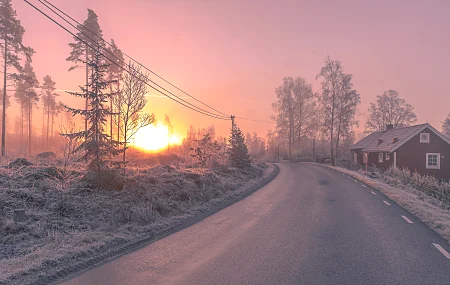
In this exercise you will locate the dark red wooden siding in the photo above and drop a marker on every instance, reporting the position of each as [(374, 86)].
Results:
[(373, 160), (412, 155)]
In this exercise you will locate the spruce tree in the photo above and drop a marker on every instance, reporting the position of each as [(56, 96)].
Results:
[(89, 35), (11, 47), (238, 151), (97, 145)]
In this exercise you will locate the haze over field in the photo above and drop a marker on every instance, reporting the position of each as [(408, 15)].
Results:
[(232, 54)]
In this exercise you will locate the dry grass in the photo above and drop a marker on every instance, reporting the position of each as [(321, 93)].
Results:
[(423, 203), (66, 223)]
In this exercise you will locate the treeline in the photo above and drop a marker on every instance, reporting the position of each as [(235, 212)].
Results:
[(313, 123), (20, 78)]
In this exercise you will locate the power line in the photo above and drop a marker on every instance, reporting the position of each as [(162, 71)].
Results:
[(254, 120), (123, 62), (97, 36), (98, 50)]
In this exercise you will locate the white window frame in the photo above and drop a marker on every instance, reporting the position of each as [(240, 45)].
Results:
[(427, 138), (438, 166), (380, 157), (355, 157), (387, 155)]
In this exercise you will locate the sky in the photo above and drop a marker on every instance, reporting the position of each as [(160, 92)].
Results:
[(232, 54)]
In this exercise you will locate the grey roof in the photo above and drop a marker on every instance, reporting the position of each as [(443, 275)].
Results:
[(371, 142), (366, 140)]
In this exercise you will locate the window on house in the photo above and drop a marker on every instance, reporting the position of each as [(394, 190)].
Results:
[(424, 137), (433, 161), (387, 155), (380, 157), (355, 157), (365, 157)]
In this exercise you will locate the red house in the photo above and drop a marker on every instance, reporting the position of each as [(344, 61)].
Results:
[(419, 148)]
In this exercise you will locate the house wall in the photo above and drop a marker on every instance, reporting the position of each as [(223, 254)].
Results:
[(373, 160), (412, 155)]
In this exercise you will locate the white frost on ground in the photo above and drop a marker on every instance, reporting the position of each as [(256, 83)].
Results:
[(69, 227), (430, 210)]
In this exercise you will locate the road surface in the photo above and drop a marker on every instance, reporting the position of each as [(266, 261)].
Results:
[(310, 225)]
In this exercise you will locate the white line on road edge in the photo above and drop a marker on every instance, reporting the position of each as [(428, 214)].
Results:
[(363, 185), (408, 220), (443, 251), (355, 180), (386, 203), (373, 193)]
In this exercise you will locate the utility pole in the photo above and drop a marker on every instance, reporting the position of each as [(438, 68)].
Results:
[(232, 122)]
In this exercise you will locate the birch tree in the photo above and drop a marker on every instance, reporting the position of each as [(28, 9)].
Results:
[(132, 102), (446, 126), (11, 46), (115, 71), (284, 108), (339, 102), (293, 111), (389, 109)]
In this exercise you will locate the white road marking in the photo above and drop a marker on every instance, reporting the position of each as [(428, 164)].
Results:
[(408, 220), (355, 180), (363, 185), (373, 193), (386, 203), (443, 251)]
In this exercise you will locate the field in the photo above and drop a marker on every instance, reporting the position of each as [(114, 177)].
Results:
[(67, 223)]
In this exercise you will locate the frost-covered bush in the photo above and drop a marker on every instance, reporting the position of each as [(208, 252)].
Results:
[(425, 183)]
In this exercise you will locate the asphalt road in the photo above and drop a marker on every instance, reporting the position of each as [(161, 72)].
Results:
[(311, 225)]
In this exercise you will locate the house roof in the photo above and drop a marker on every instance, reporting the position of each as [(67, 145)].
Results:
[(384, 141)]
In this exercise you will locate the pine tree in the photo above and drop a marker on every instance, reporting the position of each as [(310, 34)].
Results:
[(89, 35), (11, 35), (31, 97), (97, 145), (48, 101), (238, 151), (27, 97)]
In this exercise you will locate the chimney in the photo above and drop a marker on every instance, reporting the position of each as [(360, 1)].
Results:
[(390, 127), (395, 140), (380, 142)]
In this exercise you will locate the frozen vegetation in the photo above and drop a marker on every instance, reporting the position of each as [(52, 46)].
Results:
[(67, 222)]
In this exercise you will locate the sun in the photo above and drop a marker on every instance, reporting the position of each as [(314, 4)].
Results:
[(154, 138)]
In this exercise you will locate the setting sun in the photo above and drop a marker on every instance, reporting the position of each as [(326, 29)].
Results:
[(154, 138)]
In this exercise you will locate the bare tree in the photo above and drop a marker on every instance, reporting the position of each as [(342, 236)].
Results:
[(389, 109), (339, 102), (130, 117), (303, 98), (446, 127), (169, 126), (293, 111), (115, 71), (284, 108)]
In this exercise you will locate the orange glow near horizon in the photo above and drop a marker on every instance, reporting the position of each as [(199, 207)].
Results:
[(154, 138)]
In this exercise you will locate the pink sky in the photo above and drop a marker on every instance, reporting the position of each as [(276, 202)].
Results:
[(233, 54)]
